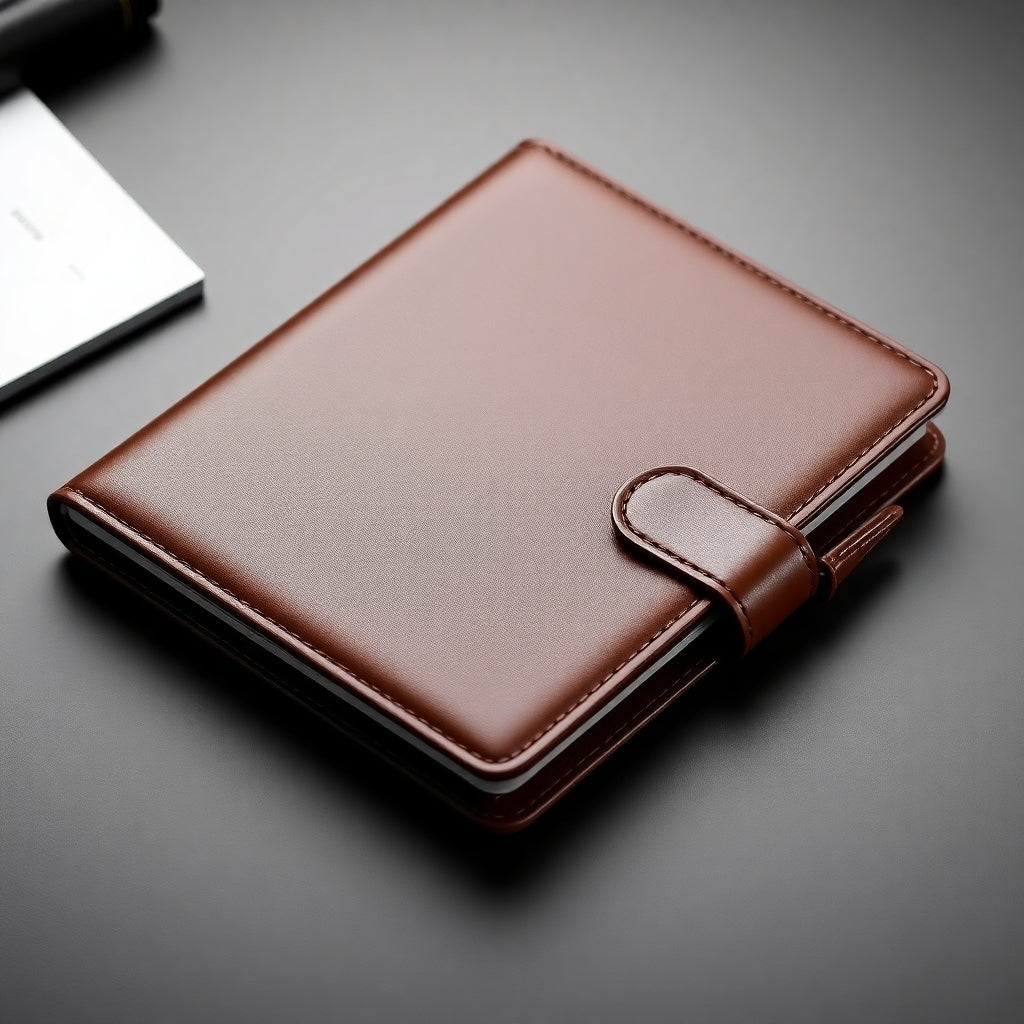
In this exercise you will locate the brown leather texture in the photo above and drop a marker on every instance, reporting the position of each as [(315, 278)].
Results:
[(837, 564), (408, 483), (512, 811), (760, 566)]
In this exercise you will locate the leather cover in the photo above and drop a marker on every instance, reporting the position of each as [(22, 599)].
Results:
[(408, 485)]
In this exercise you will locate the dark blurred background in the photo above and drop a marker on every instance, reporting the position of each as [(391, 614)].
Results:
[(830, 831)]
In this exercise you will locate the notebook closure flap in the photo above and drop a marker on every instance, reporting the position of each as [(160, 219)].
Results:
[(760, 566)]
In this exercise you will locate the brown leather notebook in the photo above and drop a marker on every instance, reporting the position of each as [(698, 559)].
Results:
[(504, 492)]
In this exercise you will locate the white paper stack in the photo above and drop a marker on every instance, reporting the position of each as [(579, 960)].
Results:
[(81, 263)]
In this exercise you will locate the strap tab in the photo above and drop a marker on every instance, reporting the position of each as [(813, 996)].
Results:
[(758, 564), (845, 556)]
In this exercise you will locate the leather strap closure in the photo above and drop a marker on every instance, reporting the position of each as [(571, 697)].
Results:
[(760, 566), (844, 557)]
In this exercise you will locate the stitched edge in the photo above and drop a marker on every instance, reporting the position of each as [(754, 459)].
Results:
[(775, 282), (682, 683), (715, 247), (219, 642), (220, 588), (305, 698), (740, 502), (701, 571), (857, 543), (894, 487), (679, 559)]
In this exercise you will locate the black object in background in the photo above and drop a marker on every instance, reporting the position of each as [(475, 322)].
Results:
[(43, 38)]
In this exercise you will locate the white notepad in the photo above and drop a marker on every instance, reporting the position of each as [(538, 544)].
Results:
[(81, 263)]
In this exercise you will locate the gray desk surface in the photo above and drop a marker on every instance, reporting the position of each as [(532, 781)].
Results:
[(832, 831)]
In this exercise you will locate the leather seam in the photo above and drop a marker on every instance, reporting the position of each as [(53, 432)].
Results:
[(741, 503), (696, 671), (303, 697), (700, 570), (684, 562), (682, 682), (219, 642), (894, 487), (859, 542), (354, 675), (321, 707), (787, 289)]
